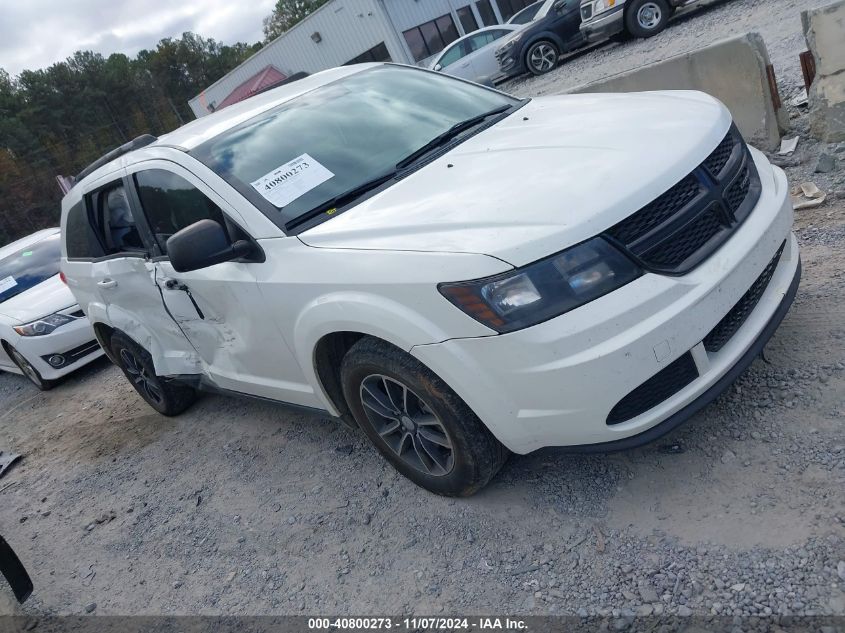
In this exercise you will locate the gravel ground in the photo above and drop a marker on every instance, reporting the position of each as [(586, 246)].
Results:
[(240, 507)]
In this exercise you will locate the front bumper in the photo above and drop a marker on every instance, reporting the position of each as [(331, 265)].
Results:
[(75, 342), (556, 383), (511, 64), (604, 25)]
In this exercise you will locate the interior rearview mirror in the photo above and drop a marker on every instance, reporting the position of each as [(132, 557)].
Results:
[(203, 244)]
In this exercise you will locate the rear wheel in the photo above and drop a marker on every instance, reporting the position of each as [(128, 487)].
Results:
[(646, 18), (417, 422), (541, 57), (29, 371), (162, 395)]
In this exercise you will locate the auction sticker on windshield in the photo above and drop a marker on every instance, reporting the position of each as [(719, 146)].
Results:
[(7, 284), (292, 180)]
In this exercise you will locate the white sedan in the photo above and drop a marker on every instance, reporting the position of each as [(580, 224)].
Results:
[(473, 56), (43, 332)]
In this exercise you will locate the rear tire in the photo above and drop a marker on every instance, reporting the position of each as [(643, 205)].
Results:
[(647, 18), (166, 397), (542, 57), (29, 372), (417, 422)]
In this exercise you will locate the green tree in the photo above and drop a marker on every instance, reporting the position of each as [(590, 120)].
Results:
[(287, 13), (56, 120)]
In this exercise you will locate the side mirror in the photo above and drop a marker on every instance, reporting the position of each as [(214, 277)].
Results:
[(438, 67), (203, 244)]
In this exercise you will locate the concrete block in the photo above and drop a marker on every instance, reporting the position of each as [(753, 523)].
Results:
[(732, 70), (824, 30)]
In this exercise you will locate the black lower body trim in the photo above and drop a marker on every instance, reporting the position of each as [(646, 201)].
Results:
[(678, 418), (204, 384)]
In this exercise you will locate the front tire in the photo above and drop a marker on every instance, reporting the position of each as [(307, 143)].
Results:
[(541, 57), (30, 372), (417, 422), (647, 18), (137, 365)]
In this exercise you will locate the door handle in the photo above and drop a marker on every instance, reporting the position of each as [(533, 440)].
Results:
[(107, 284)]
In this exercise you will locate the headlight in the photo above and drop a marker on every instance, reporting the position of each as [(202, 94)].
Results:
[(603, 5), (43, 326), (545, 289)]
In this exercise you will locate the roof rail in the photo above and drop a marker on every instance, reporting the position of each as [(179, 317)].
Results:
[(137, 143)]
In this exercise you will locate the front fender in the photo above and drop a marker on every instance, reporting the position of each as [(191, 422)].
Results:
[(363, 313), (543, 35)]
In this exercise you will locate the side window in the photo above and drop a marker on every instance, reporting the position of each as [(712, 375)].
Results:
[(171, 203), (80, 240), (452, 55), (480, 40), (495, 35), (114, 223)]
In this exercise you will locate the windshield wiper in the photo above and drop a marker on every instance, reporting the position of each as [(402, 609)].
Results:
[(448, 135), (341, 199), (356, 192)]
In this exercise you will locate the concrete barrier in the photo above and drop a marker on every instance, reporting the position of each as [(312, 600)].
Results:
[(824, 30), (732, 70)]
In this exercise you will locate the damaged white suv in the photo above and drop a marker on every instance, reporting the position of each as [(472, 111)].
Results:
[(458, 272)]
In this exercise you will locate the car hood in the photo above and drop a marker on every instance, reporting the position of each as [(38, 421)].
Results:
[(555, 172), (46, 298)]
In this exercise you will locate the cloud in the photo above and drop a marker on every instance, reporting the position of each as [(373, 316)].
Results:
[(37, 33)]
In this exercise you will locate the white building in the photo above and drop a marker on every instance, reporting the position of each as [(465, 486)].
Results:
[(350, 31)]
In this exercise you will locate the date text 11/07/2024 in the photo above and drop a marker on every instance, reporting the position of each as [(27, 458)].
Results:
[(415, 624)]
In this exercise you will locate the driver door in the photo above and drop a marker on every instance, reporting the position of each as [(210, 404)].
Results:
[(220, 308)]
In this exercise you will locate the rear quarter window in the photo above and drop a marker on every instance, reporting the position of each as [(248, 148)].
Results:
[(80, 240)]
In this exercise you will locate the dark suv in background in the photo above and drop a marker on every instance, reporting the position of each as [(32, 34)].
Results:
[(556, 29)]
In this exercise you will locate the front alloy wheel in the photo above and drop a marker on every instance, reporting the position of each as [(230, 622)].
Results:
[(407, 425), (416, 421), (542, 57), (29, 371)]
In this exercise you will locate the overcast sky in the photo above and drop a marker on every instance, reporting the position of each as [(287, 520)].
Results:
[(37, 33)]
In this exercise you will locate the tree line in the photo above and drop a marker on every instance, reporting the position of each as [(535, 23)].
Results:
[(57, 120)]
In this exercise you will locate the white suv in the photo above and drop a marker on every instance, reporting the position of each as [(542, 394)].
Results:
[(458, 272)]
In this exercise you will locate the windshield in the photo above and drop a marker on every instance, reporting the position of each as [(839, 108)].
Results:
[(305, 152), (29, 266), (526, 15)]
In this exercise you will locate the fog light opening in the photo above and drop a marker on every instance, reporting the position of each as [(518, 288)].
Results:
[(56, 360)]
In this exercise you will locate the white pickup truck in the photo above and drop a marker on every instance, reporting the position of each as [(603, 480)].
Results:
[(601, 19)]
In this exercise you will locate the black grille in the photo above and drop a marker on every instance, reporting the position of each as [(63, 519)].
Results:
[(735, 194), (689, 240), (77, 314), (733, 320), (686, 224), (717, 160), (656, 212), (664, 384)]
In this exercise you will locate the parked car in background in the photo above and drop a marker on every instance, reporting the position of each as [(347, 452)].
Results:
[(43, 332), (458, 272), (538, 47), (601, 19), (473, 56), (527, 14)]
